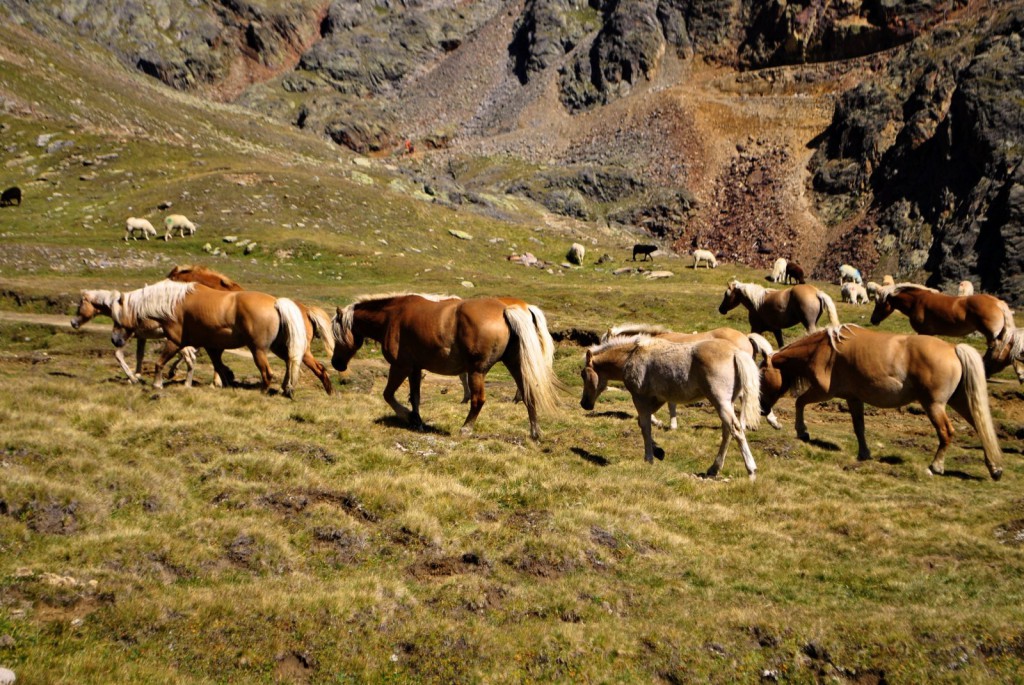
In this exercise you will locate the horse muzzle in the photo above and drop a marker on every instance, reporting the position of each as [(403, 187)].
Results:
[(118, 339), (587, 406), (76, 324)]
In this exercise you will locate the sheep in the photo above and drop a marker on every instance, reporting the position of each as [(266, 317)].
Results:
[(778, 271), (705, 256), (854, 293), (179, 222), (848, 273), (966, 288), (142, 226)]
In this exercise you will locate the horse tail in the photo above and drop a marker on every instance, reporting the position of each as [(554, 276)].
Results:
[(976, 389), (828, 305), (749, 391), (321, 323), (294, 328), (760, 344), (539, 381), (1008, 324)]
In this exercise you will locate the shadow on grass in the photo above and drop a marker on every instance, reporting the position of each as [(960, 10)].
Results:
[(961, 475), (612, 414), (392, 421), (892, 460), (822, 444), (585, 455)]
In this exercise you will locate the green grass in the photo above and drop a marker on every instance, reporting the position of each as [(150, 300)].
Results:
[(210, 535)]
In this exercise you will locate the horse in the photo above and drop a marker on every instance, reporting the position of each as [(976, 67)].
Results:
[(854, 293), (141, 226), (316, 321), (773, 310), (10, 197), (449, 336), (885, 370), (778, 270), (705, 256), (1009, 350), (180, 223), (100, 302), (194, 315), (646, 250), (656, 371), (794, 273), (751, 343), (849, 273), (934, 313), (872, 290), (965, 289)]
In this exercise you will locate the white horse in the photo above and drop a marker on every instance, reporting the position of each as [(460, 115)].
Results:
[(101, 302), (849, 273), (965, 289), (141, 226), (855, 293), (656, 371), (778, 271), (705, 256), (180, 223)]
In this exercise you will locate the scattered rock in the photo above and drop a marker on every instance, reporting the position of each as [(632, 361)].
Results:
[(166, 204), (250, 248), (461, 235), (468, 284), (207, 247), (653, 275), (230, 239)]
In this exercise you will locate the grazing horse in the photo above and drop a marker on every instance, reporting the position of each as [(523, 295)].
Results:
[(773, 310), (705, 256), (449, 336), (656, 371), (934, 313), (100, 302), (194, 315), (752, 343), (885, 370), (317, 321), (794, 273), (778, 270), (646, 250)]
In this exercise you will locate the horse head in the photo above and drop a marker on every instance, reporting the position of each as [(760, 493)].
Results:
[(124, 323), (86, 311), (773, 385), (593, 383), (94, 303), (883, 306), (730, 300), (346, 342)]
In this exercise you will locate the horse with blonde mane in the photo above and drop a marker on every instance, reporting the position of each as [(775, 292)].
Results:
[(656, 371), (316, 320), (194, 315), (99, 303), (450, 336), (885, 370), (772, 310), (751, 343), (934, 313)]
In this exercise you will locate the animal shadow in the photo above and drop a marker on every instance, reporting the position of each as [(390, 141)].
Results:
[(585, 455), (612, 414), (892, 460), (822, 444), (392, 421), (961, 475)]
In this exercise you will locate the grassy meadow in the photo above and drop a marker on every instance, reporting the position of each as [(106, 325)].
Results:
[(212, 535)]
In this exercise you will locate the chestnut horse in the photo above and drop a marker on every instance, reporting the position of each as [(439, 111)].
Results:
[(316, 320), (450, 336), (934, 313), (885, 370), (751, 343), (99, 303), (194, 315), (772, 310), (656, 371)]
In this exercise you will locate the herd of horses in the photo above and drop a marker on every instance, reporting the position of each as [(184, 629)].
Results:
[(195, 307)]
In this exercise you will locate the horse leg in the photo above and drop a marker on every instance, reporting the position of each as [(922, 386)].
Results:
[(959, 403), (467, 394), (188, 354), (944, 429), (857, 415), (415, 383), (396, 376), (477, 399), (223, 377), (318, 369), (1018, 368), (259, 357), (170, 349), (119, 355), (778, 336), (644, 413), (140, 352), (673, 422)]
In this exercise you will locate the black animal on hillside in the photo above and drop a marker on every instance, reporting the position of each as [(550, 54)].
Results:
[(10, 197), (794, 272), (645, 250)]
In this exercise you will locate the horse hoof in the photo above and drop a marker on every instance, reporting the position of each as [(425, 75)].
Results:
[(753, 476), (659, 453), (997, 474), (936, 472), (803, 437)]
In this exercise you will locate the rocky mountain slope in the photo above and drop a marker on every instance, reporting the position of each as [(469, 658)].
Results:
[(886, 133)]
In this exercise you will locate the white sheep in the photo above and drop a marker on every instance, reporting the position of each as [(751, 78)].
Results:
[(849, 273), (966, 288), (854, 293), (179, 222), (141, 226), (779, 270), (705, 256)]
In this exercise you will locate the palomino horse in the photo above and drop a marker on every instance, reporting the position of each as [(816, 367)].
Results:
[(194, 315), (773, 310), (449, 336), (315, 319), (656, 371), (934, 313), (751, 343), (885, 370), (99, 303)]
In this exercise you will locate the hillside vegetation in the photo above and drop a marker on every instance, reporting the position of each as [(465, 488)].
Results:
[(224, 535)]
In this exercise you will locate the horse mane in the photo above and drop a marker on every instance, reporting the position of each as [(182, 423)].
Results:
[(201, 272), (633, 329), (754, 292), (157, 301), (618, 341), (105, 298)]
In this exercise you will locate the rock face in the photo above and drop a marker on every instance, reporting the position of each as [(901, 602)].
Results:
[(932, 149)]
